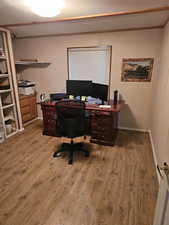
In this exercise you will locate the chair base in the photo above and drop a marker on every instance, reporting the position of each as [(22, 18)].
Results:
[(71, 148)]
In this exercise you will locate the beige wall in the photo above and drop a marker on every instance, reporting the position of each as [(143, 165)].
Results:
[(145, 43), (160, 110)]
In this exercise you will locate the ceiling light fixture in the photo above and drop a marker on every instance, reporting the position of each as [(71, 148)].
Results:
[(45, 8)]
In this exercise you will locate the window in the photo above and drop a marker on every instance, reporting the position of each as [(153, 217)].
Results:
[(90, 63)]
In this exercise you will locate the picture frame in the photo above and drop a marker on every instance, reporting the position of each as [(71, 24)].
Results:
[(137, 69)]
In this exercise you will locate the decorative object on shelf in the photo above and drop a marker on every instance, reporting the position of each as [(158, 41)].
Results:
[(115, 100), (42, 97), (8, 125), (2, 133), (4, 84), (137, 69), (29, 60), (2, 53)]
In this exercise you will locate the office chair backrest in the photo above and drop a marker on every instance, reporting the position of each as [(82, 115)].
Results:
[(71, 118)]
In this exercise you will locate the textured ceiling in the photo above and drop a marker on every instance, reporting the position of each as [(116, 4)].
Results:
[(93, 25), (14, 11)]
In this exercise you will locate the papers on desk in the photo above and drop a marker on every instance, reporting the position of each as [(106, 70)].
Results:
[(105, 106), (91, 100)]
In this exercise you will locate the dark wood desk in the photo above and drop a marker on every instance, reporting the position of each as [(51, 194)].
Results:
[(103, 122)]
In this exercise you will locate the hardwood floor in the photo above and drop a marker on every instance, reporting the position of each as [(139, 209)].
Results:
[(114, 186)]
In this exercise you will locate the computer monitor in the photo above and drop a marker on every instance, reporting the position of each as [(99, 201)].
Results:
[(79, 87), (100, 91)]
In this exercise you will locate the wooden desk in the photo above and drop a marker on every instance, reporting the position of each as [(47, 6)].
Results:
[(103, 122)]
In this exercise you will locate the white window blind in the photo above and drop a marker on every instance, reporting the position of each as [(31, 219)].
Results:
[(91, 63)]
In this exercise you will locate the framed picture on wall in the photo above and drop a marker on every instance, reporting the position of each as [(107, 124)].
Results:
[(137, 69)]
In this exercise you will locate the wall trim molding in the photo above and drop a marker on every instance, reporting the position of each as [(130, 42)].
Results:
[(90, 32), (92, 16), (22, 129), (31, 121), (154, 155), (133, 129)]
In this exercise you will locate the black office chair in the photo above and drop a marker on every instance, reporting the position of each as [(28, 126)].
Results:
[(71, 124)]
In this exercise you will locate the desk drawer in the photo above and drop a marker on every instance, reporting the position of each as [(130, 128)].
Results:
[(25, 110), (102, 123), (50, 128), (24, 102), (26, 117), (102, 119), (101, 129), (101, 113), (49, 113), (103, 136)]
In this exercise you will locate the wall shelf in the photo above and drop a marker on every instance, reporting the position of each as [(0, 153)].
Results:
[(4, 91), (22, 65), (4, 75), (2, 58), (14, 131), (6, 118), (7, 106), (30, 63)]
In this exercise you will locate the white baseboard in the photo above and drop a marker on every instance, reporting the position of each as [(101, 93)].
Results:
[(31, 121), (40, 118), (154, 155), (134, 129), (22, 129)]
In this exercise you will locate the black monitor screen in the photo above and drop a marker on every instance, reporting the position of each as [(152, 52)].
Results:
[(79, 87), (100, 91)]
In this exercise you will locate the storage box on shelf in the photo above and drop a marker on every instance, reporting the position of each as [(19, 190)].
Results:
[(6, 98), (4, 83), (3, 75), (2, 133), (8, 114)]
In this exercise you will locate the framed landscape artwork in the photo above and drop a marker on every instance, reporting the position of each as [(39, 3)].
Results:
[(137, 69)]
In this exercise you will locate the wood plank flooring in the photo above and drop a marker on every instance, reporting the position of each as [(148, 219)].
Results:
[(114, 186)]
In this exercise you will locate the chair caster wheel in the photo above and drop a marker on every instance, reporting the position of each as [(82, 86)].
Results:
[(70, 162), (57, 154), (87, 154)]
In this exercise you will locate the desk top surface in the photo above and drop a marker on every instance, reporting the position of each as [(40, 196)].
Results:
[(113, 108)]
